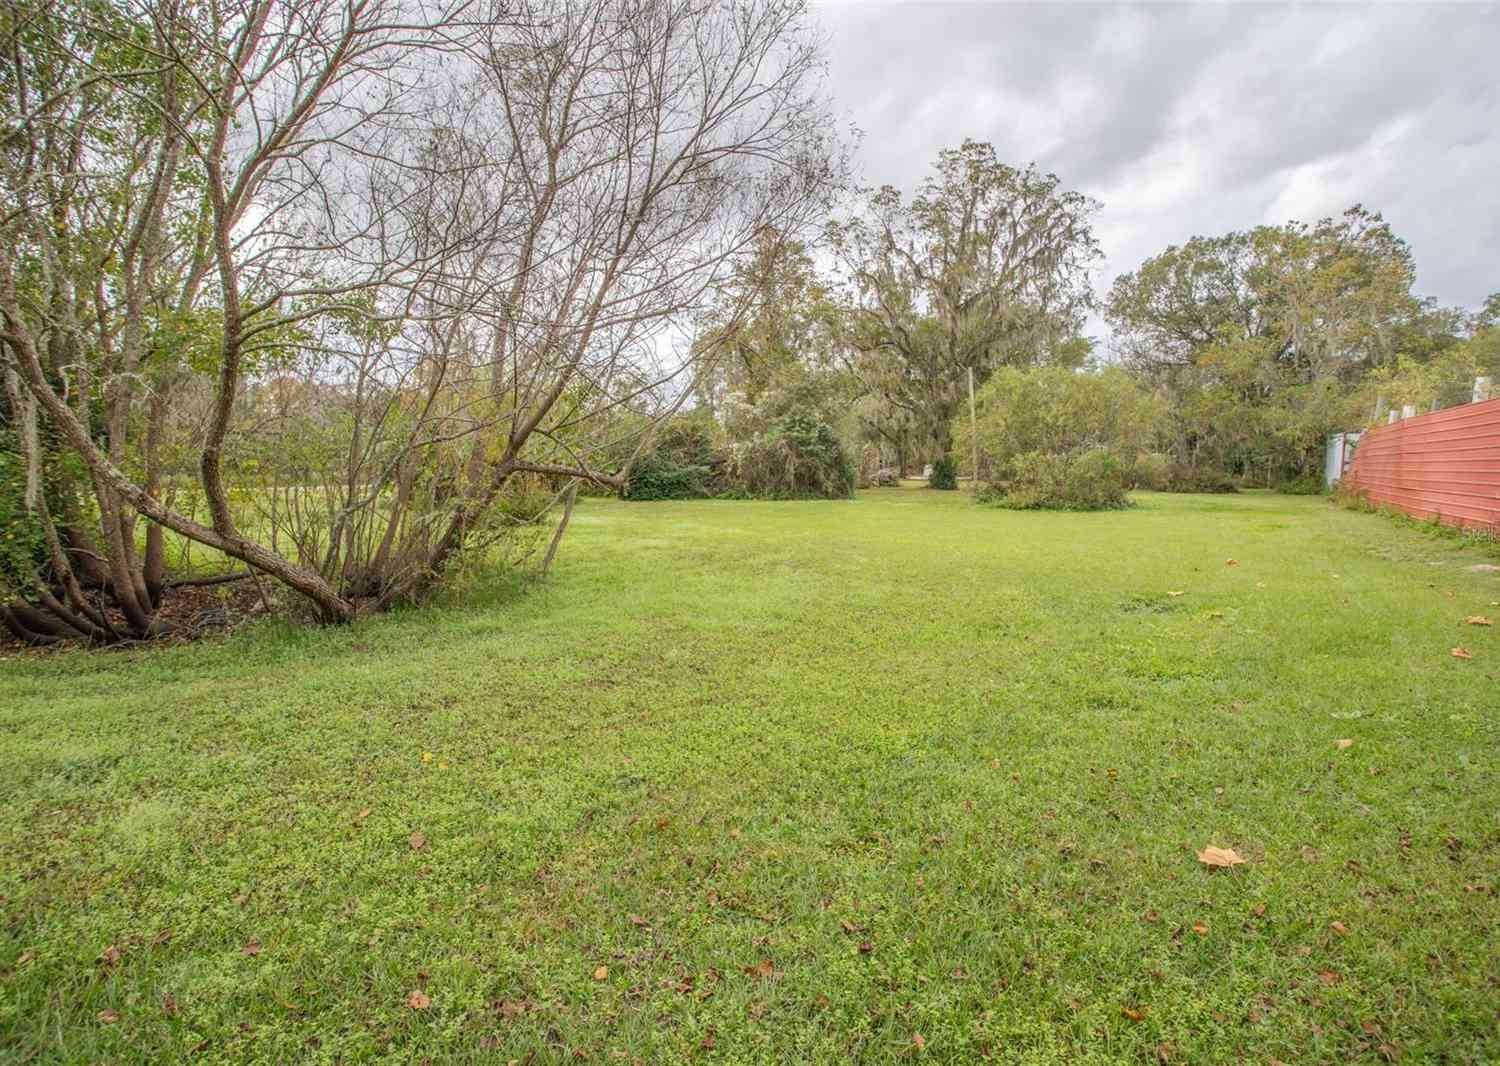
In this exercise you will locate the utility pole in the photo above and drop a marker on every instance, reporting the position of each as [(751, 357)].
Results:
[(973, 434)]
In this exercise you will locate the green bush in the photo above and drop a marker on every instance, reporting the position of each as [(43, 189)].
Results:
[(1151, 470), (1307, 485), (1183, 478), (1088, 480), (682, 465), (799, 457), (944, 473)]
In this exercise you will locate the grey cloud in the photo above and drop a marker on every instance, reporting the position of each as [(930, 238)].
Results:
[(1189, 119)]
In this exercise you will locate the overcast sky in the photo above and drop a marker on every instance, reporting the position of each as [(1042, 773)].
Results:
[(1187, 119)]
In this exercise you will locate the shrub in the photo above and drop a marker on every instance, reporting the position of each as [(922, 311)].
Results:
[(1306, 485), (1184, 478), (1089, 480), (682, 465), (944, 473), (799, 457), (1151, 470)]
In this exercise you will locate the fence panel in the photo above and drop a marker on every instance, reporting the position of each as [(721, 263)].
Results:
[(1443, 465)]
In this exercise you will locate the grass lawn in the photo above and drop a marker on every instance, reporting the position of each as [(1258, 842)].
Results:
[(897, 780)]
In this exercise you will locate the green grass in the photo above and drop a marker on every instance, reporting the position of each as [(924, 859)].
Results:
[(945, 767)]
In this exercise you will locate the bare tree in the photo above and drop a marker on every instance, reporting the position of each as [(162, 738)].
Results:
[(391, 255)]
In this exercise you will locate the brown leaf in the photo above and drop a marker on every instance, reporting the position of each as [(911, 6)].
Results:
[(847, 925), (418, 1000), (601, 974), (1461, 653), (636, 919), (363, 814), (162, 936), (1340, 928), (1477, 620), (169, 1005), (707, 1043), (1259, 910), (1219, 857), (1343, 745), (109, 1016), (918, 1041), (763, 969), (1164, 1054), (252, 948), (1330, 977), (417, 841), (1200, 928), (1231, 562), (1135, 1014), (866, 947), (24, 958), (110, 955), (1388, 1052)]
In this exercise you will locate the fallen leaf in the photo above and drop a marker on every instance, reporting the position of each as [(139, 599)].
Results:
[(1135, 1014), (707, 1044), (252, 948), (847, 925), (1164, 1054), (1388, 1052), (1330, 977), (442, 764), (765, 968), (1343, 744), (109, 1016), (918, 1041), (866, 947), (364, 813), (1461, 653), (1340, 928), (162, 936), (636, 919), (417, 841), (1259, 910), (601, 974), (1477, 620), (1200, 928), (24, 958), (427, 756), (110, 955), (1179, 592), (418, 1000), (1212, 856), (169, 1005), (1231, 562)]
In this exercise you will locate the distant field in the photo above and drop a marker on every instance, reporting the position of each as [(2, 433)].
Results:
[(901, 779)]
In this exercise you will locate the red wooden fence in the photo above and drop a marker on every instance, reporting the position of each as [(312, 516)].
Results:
[(1445, 465)]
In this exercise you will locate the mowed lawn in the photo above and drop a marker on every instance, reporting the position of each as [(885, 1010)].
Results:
[(895, 780)]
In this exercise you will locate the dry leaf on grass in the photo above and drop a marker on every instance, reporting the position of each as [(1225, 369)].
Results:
[(765, 968), (109, 1017), (601, 974), (918, 1041), (252, 948), (418, 1000), (1200, 928), (1135, 1014), (1478, 620), (417, 841), (1218, 857), (1178, 592), (1461, 653), (1340, 928), (1343, 744), (1231, 562)]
